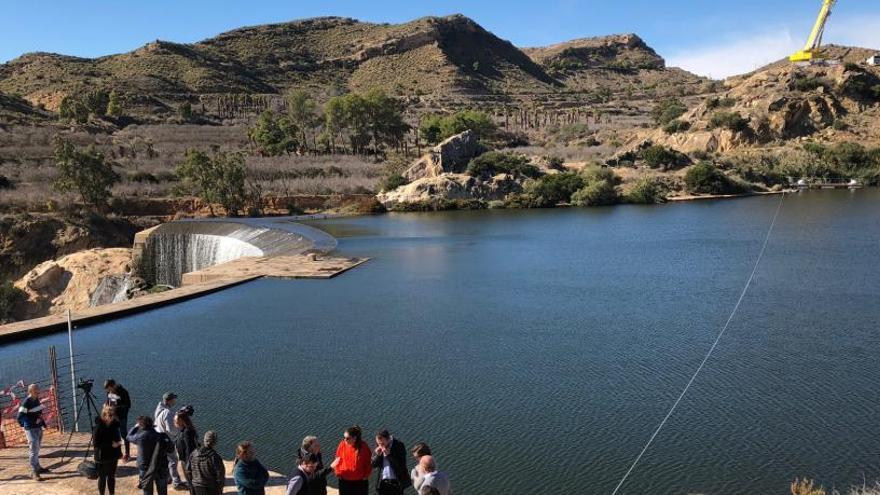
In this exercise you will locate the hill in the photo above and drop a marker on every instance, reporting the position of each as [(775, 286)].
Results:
[(444, 61)]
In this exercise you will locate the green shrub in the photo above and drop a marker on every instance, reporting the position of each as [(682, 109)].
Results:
[(809, 83), (728, 120), (595, 173), (839, 125), (646, 191), (556, 162), (552, 189), (657, 156), (666, 111), (715, 102), (496, 162), (596, 193), (676, 126), (436, 128), (392, 182), (705, 178), (10, 298)]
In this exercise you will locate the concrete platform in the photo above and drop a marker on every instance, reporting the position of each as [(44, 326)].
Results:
[(64, 479), (195, 284), (295, 266)]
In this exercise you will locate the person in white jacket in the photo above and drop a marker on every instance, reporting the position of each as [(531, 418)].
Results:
[(431, 481), (164, 421)]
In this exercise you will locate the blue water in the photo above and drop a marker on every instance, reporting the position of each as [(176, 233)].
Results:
[(539, 349)]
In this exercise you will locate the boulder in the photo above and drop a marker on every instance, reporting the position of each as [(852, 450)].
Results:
[(452, 187), (450, 156)]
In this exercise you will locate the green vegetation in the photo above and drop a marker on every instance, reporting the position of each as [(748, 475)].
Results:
[(79, 107), (646, 191), (392, 182), (841, 160), (496, 162), (436, 128), (185, 110), (724, 102), (706, 178), (370, 120), (666, 111), (733, 121), (114, 105), (597, 193), (87, 172), (555, 162), (10, 298), (658, 156), (217, 179), (809, 83), (273, 135), (676, 126)]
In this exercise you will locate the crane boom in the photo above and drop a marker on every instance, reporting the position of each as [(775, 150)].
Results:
[(813, 48)]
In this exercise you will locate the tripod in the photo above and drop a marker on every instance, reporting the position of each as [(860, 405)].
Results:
[(87, 401)]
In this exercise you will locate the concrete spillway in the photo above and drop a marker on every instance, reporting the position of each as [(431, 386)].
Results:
[(175, 248)]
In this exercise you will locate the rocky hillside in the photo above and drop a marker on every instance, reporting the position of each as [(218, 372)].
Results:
[(782, 105), (441, 60)]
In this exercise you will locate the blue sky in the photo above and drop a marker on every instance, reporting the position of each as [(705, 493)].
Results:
[(705, 36)]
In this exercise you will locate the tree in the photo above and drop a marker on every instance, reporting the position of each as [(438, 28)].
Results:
[(705, 178), (273, 135), (216, 179), (552, 189), (646, 191), (372, 121), (302, 111), (497, 162), (85, 171), (114, 106), (436, 128), (10, 298), (73, 108), (596, 193)]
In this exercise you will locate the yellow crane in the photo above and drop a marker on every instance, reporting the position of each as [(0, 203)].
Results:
[(812, 51)]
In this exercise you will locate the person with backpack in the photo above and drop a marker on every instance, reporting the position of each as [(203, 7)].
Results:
[(186, 441), (318, 479), (107, 442), (152, 462), (353, 463), (205, 469), (249, 474), (30, 417), (117, 396), (299, 480)]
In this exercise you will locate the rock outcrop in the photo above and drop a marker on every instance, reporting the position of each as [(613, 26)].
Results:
[(452, 187), (449, 157), (70, 282)]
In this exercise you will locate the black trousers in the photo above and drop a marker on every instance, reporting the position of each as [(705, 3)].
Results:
[(361, 487), (106, 477), (389, 487)]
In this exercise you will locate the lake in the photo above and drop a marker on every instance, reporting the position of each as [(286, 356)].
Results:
[(537, 350)]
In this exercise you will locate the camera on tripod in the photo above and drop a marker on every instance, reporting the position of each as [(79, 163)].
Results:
[(86, 385)]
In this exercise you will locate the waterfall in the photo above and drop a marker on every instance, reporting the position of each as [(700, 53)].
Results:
[(111, 289), (180, 247)]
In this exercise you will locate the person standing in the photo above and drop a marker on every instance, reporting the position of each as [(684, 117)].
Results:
[(187, 439), (152, 460), (205, 469), (107, 442), (164, 420), (299, 480), (117, 396), (318, 480), (418, 451), (389, 460), (249, 474), (353, 463), (432, 481), (30, 417)]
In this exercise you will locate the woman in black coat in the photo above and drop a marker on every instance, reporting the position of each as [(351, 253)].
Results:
[(107, 441), (187, 439)]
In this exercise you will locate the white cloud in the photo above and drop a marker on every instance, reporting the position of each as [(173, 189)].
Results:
[(745, 53), (736, 56)]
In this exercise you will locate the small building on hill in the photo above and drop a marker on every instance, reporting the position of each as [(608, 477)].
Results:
[(874, 59)]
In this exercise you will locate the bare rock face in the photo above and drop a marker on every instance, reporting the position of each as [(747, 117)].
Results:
[(450, 156), (69, 282), (452, 187)]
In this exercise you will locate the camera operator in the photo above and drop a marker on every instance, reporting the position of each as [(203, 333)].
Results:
[(117, 396)]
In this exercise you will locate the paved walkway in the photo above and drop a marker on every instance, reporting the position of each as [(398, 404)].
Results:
[(64, 479)]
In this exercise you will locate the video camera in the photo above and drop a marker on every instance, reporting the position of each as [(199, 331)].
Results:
[(86, 385)]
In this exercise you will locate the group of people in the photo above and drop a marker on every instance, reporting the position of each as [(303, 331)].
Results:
[(169, 437)]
